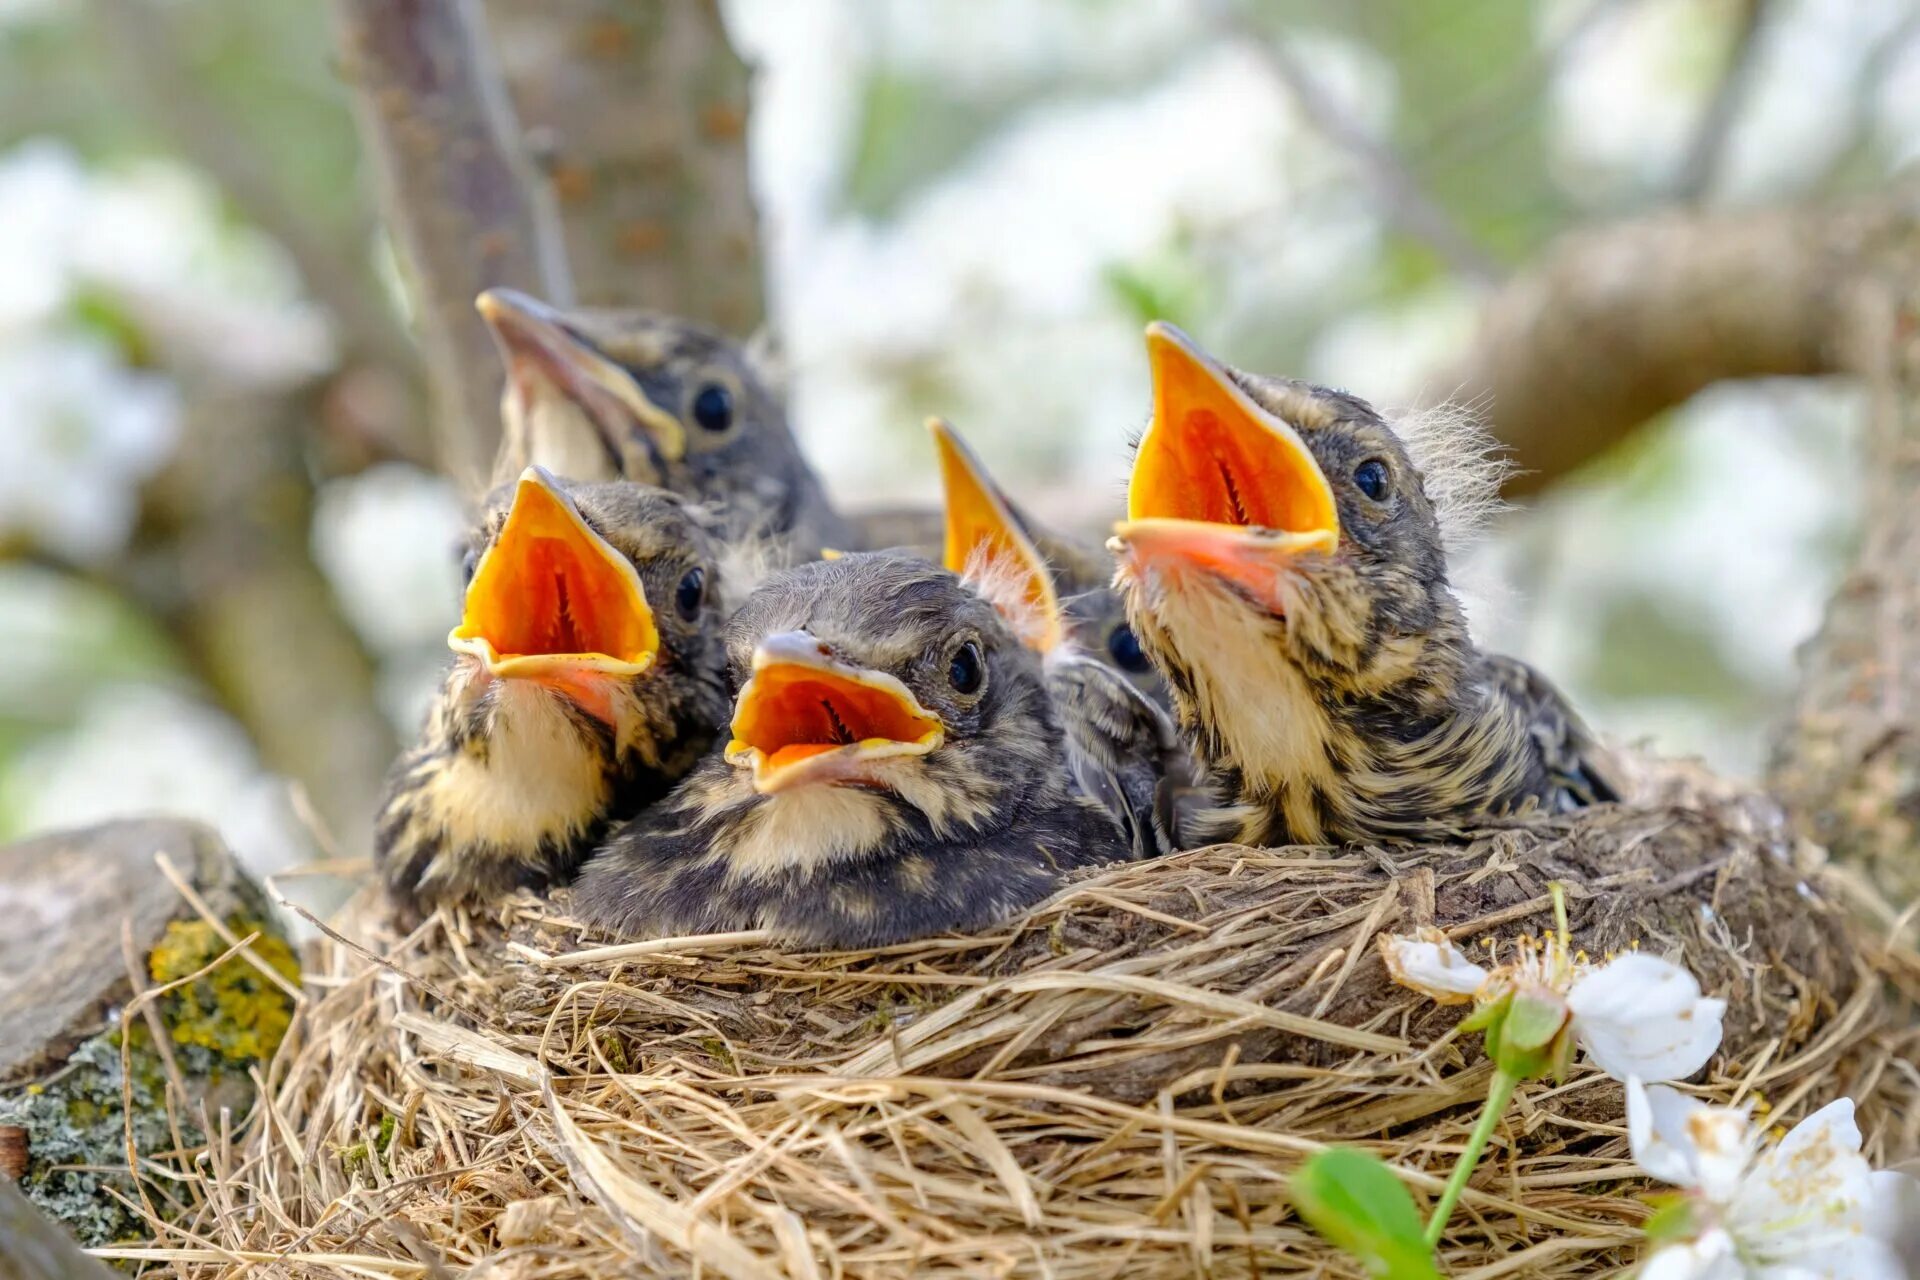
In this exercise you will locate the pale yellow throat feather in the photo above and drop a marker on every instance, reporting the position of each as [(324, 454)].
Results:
[(539, 779), (1256, 699)]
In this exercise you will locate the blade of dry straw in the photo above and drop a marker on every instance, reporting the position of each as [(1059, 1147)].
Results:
[(468, 1048), (643, 1210), (989, 1147), (638, 950)]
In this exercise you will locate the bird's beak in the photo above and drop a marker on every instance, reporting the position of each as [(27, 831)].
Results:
[(1219, 482), (544, 356), (552, 599), (986, 545), (804, 718)]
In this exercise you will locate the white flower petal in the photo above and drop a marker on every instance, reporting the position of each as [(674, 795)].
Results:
[(1642, 1016), (1813, 1190), (1657, 1131), (1432, 966), (1711, 1257), (1840, 1258), (1893, 1206)]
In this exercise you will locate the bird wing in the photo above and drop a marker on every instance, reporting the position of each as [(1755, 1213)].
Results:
[(1578, 766), (1122, 750)]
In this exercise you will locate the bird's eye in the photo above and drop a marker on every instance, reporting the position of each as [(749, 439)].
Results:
[(692, 590), (713, 407), (968, 670), (469, 561), (1126, 650), (1371, 476)]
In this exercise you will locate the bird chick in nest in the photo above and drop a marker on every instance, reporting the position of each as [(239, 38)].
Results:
[(1072, 581), (630, 395), (589, 675), (1284, 566), (1122, 747), (895, 769)]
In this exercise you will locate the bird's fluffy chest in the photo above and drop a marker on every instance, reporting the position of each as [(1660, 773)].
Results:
[(1256, 711), (534, 777)]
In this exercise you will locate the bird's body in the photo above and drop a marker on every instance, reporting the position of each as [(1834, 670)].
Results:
[(896, 769), (633, 395), (588, 677), (1283, 566)]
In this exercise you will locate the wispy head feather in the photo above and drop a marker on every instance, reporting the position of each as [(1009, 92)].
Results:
[(1463, 466), (1004, 582)]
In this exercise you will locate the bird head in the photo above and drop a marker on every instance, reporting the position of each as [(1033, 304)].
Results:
[(1285, 503), (630, 395), (885, 674), (1054, 592), (602, 593)]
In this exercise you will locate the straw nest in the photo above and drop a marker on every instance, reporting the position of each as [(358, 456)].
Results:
[(1117, 1084)]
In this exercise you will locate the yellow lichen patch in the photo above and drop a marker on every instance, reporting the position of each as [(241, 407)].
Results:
[(234, 1011)]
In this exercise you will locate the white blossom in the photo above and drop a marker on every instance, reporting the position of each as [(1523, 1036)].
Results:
[(1431, 965), (1810, 1208), (1635, 1015)]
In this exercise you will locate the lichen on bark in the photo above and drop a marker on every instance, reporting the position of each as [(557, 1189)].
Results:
[(77, 1120)]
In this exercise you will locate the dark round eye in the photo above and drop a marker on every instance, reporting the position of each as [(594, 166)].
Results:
[(689, 594), (968, 670), (1372, 478), (1126, 650), (469, 561), (713, 407)]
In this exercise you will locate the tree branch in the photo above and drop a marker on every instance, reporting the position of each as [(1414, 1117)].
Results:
[(223, 560), (637, 113), (1407, 204), (465, 208), (1847, 764), (1707, 151), (1615, 324)]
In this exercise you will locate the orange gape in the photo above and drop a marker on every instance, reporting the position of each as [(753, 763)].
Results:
[(550, 589), (792, 712), (983, 535), (1212, 455)]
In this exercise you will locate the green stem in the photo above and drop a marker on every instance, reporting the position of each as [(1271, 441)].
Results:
[(1498, 1096)]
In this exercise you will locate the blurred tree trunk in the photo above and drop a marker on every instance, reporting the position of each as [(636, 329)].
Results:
[(637, 112), (223, 559), (459, 197), (1848, 763)]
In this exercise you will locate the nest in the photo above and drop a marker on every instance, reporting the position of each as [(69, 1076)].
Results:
[(1118, 1083)]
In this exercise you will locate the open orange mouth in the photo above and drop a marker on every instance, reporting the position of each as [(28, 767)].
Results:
[(1218, 481), (985, 542), (806, 718), (542, 353), (551, 597)]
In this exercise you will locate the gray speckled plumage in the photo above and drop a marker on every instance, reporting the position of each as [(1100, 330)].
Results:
[(1361, 710), (956, 839)]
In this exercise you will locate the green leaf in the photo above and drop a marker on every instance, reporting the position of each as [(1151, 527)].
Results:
[(1354, 1200), (1672, 1217)]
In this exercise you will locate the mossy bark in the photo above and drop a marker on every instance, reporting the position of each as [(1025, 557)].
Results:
[(85, 1079)]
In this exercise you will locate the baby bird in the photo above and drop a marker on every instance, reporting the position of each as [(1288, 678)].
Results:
[(1071, 580), (629, 395), (1283, 567), (895, 769), (1122, 747), (589, 675)]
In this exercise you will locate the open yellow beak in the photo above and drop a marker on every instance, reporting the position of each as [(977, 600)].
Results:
[(551, 598), (985, 542), (1219, 482), (542, 353), (806, 718)]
